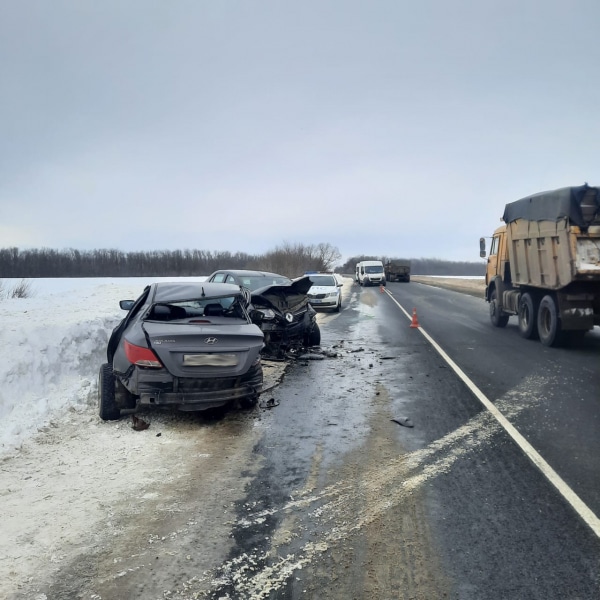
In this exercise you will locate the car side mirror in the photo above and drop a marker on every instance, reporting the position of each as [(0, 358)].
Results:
[(126, 304), (482, 247)]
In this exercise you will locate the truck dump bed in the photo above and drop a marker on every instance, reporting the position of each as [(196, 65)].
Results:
[(554, 237), (397, 270)]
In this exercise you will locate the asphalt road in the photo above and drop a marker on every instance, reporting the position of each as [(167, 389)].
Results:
[(516, 535), (347, 503)]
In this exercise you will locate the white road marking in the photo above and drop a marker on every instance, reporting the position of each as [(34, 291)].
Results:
[(553, 477)]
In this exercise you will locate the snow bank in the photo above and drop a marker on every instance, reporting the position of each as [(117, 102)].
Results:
[(52, 347)]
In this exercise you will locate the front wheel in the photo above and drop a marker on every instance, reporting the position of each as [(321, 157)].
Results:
[(108, 409), (498, 319), (548, 323), (314, 336), (527, 317), (338, 306)]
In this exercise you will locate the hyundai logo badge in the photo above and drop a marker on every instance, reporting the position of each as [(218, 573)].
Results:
[(210, 340)]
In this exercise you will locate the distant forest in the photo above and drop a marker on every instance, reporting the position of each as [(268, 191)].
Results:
[(288, 259)]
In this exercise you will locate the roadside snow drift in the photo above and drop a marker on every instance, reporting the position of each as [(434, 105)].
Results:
[(52, 347)]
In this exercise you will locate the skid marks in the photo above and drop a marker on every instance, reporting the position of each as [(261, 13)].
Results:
[(324, 516)]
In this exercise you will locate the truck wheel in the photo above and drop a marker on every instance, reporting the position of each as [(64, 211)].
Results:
[(548, 323), (497, 318), (527, 317), (108, 409)]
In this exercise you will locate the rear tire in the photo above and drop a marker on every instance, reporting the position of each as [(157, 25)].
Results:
[(527, 317), (123, 397), (496, 317), (108, 409), (548, 323)]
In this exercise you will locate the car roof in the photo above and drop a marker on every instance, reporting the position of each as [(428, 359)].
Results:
[(315, 275), (173, 290), (250, 272)]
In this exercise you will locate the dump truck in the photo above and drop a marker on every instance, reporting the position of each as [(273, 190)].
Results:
[(544, 265), (397, 270)]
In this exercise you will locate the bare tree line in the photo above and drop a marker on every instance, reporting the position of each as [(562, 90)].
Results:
[(423, 266), (287, 259)]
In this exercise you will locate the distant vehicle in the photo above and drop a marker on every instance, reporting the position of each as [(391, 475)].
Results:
[(189, 346), (370, 272), (280, 308), (397, 270), (544, 265), (325, 291)]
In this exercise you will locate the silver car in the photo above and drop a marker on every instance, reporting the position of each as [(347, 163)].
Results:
[(190, 346)]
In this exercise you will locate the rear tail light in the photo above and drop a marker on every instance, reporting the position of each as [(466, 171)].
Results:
[(142, 357)]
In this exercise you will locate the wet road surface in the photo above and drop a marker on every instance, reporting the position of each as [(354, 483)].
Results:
[(331, 494), (349, 504)]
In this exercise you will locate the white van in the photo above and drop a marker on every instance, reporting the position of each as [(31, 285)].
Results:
[(370, 272)]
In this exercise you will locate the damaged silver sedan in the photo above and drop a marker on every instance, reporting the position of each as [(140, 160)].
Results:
[(189, 346)]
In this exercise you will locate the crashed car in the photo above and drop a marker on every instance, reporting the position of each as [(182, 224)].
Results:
[(280, 307), (188, 346)]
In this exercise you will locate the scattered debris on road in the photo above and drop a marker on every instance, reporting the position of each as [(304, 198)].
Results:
[(138, 424), (268, 404), (404, 421)]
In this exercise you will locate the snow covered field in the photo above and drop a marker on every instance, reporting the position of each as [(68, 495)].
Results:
[(52, 345)]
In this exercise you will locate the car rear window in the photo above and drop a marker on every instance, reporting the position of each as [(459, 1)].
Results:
[(225, 306)]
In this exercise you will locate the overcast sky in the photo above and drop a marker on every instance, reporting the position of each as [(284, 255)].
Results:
[(381, 127)]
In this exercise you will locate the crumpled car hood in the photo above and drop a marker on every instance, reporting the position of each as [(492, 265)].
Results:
[(283, 297)]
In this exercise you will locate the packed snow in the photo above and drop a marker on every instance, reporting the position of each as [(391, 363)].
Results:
[(53, 344)]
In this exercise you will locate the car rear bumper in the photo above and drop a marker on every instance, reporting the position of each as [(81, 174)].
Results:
[(162, 390), (197, 400)]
